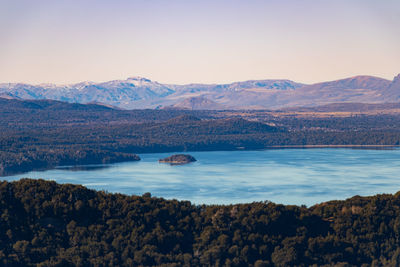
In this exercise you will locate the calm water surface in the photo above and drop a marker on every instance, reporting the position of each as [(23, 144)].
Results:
[(288, 176)]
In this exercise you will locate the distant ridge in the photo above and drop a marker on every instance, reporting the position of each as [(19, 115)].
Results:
[(392, 91), (140, 93), (183, 119), (48, 105), (198, 103), (7, 95), (345, 107)]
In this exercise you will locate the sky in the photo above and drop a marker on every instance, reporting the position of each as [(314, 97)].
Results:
[(192, 41)]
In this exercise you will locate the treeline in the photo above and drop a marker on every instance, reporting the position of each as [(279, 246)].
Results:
[(352, 123), (50, 157), (46, 224)]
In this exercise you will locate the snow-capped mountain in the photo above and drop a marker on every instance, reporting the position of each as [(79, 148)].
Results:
[(138, 92)]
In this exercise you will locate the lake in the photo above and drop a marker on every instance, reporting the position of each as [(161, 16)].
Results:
[(287, 176)]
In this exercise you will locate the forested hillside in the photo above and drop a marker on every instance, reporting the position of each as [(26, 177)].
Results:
[(46, 134), (46, 224)]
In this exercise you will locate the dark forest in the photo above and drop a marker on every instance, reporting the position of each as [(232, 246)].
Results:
[(43, 223)]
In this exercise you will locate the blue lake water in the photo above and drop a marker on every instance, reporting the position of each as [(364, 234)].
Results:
[(287, 176)]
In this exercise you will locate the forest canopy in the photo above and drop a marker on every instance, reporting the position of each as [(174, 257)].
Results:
[(43, 223)]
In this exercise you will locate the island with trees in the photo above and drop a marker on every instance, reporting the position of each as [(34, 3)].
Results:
[(178, 159)]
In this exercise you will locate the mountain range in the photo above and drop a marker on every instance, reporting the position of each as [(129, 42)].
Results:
[(139, 93)]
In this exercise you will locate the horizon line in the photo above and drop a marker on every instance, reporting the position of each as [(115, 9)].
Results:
[(194, 83)]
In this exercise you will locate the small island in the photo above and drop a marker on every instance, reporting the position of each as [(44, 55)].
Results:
[(178, 159)]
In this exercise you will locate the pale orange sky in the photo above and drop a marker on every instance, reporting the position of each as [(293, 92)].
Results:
[(191, 41)]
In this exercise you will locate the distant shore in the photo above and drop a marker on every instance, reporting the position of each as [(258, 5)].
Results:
[(325, 146)]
